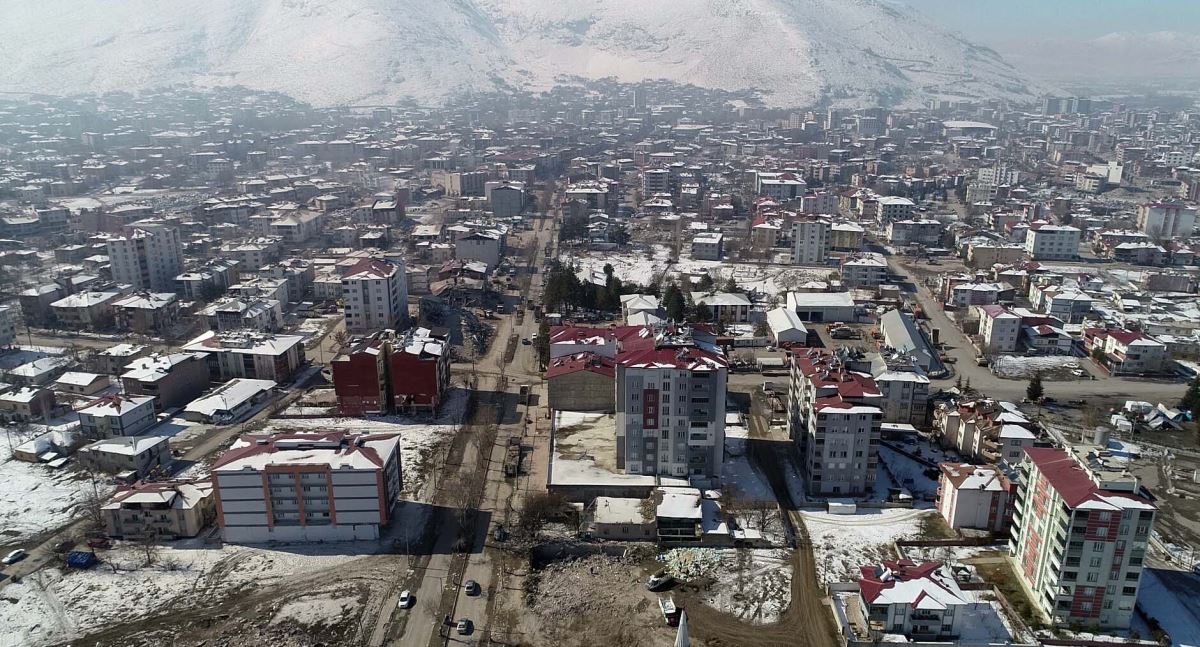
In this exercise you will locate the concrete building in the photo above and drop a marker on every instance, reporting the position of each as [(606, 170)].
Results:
[(622, 519), (165, 510), (149, 258), (999, 329), (915, 232), (229, 402), (835, 420), (1052, 242), (1166, 220), (507, 199), (129, 455), (727, 307), (26, 404), (391, 372), (175, 379), (248, 354), (146, 313), (1125, 352), (670, 405), (822, 307), (376, 296), (483, 246), (974, 496), (327, 486), (1080, 533), (847, 236), (895, 208), (812, 239), (922, 602), (864, 270), (117, 415), (905, 396), (581, 382), (708, 246)]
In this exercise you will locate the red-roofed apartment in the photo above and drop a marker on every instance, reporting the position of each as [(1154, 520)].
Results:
[(920, 601), (1125, 352), (581, 382), (835, 418), (1079, 536)]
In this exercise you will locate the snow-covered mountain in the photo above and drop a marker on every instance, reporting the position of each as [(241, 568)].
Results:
[(796, 52)]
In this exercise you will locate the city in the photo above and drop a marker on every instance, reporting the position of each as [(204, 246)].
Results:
[(611, 363)]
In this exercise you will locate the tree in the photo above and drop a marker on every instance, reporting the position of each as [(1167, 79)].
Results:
[(730, 285), (1191, 399), (761, 329), (543, 343), (700, 313), (705, 284), (608, 270), (673, 303), (1035, 390)]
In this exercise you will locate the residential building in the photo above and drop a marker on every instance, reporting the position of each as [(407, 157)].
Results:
[(920, 601), (985, 255), (484, 246), (999, 329), (163, 510), (708, 246), (88, 310), (507, 199), (581, 382), (26, 404), (725, 307), (893, 208), (835, 419), (1080, 533), (253, 355), (117, 415), (622, 519), (147, 313), (974, 496), (1166, 220), (148, 258), (321, 486), (864, 270), (1125, 352), (131, 456), (915, 232), (847, 236), (905, 396), (670, 405), (175, 379), (376, 296), (229, 402), (812, 239), (360, 378), (1052, 242), (418, 371), (80, 383), (264, 315)]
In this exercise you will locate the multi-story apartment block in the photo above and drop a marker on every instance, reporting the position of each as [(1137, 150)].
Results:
[(167, 510), (325, 486), (999, 329), (835, 419), (388, 372), (656, 180), (905, 396), (1080, 532), (708, 246), (894, 208), (864, 270), (376, 296), (1052, 242), (117, 415), (974, 496), (1164, 220), (175, 379), (1125, 352), (148, 258), (252, 355), (670, 405), (920, 232), (811, 241)]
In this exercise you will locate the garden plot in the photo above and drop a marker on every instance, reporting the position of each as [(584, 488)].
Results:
[(843, 543), (752, 584), (1050, 367)]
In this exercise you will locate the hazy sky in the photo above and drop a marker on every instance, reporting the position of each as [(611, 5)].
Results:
[(1014, 20)]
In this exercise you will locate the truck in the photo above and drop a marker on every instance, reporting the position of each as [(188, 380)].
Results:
[(512, 457), (670, 612)]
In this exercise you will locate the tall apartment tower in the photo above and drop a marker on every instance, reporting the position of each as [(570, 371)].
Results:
[(375, 292), (148, 258), (1080, 529), (835, 420), (670, 405), (811, 241)]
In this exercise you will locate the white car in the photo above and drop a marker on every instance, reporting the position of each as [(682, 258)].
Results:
[(464, 627), (15, 556), (406, 599)]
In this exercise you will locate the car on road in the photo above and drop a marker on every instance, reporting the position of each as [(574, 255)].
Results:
[(464, 627), (406, 599), (472, 587), (15, 556), (526, 341)]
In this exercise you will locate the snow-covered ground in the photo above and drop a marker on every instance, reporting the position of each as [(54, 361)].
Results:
[(52, 606), (742, 481), (421, 441), (843, 543), (751, 584), (1017, 367), (907, 473)]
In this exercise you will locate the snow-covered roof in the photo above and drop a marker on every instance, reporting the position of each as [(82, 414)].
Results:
[(336, 450), (116, 405), (678, 503), (229, 396)]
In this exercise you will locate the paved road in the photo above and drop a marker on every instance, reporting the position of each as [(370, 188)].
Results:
[(982, 379)]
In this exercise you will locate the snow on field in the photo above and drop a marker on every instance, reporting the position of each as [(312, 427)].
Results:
[(316, 610), (744, 482), (843, 543), (35, 498), (640, 266), (1050, 366), (421, 441), (907, 473), (52, 606), (751, 584)]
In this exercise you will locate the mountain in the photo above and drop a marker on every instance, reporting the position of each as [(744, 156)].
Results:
[(329, 52), (1115, 56)]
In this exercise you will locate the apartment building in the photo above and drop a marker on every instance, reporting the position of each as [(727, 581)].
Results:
[(330, 486), (1165, 220), (708, 246), (131, 455), (391, 372), (1052, 242), (376, 296), (1080, 532), (148, 258), (864, 270), (253, 355), (175, 379), (812, 239), (167, 510), (999, 329), (670, 405), (835, 418), (905, 396), (117, 415), (1125, 352), (974, 496), (915, 232), (891, 208)]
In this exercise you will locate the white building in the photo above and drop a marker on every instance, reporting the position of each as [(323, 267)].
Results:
[(811, 241), (895, 208), (484, 246), (729, 307), (375, 293), (999, 329), (117, 415), (1052, 243), (905, 396), (1165, 220), (920, 232), (708, 246), (306, 487), (819, 307), (921, 601), (863, 270), (248, 354), (974, 496), (786, 327), (148, 259), (228, 402)]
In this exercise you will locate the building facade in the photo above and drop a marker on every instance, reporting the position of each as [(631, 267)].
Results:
[(376, 296)]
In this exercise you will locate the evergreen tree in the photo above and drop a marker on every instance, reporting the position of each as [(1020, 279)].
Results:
[(700, 313), (673, 303), (730, 285), (1191, 399), (705, 284), (1035, 390)]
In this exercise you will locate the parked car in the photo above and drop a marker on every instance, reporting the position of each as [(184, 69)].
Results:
[(472, 587), (406, 599), (464, 627), (15, 556)]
